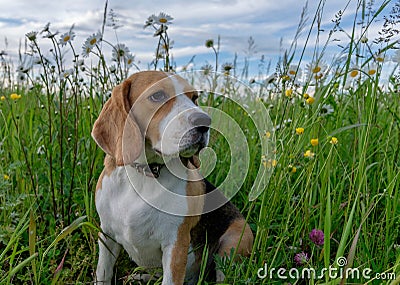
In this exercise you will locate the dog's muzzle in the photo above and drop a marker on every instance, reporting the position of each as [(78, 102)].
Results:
[(200, 121), (197, 137)]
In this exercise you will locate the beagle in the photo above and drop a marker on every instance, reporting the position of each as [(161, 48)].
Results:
[(150, 197)]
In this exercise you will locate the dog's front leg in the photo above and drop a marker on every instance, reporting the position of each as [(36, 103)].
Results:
[(108, 253), (175, 258)]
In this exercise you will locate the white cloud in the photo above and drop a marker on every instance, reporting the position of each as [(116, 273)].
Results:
[(195, 21)]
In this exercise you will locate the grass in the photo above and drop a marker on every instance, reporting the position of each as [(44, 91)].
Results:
[(346, 185)]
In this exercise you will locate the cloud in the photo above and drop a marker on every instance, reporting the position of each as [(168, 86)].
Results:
[(269, 23)]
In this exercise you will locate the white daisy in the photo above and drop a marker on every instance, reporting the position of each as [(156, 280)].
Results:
[(119, 52), (270, 79), (94, 39), (294, 71), (26, 64), (22, 69), (21, 77), (66, 73), (67, 37), (354, 72), (79, 62), (113, 69), (129, 60), (86, 50), (31, 36), (150, 21), (316, 70), (46, 28), (379, 57), (285, 123), (226, 67), (364, 39), (326, 109), (163, 19), (90, 43), (371, 69), (207, 69), (51, 35)]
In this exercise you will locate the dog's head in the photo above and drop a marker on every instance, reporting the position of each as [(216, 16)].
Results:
[(152, 111)]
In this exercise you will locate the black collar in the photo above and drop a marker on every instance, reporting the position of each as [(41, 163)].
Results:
[(150, 170)]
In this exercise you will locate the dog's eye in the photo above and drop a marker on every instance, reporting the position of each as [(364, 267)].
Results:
[(159, 96)]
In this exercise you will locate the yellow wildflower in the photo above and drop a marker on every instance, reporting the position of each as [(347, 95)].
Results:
[(2, 98), (289, 93), (310, 100), (6, 177), (269, 163), (334, 141), (292, 169), (299, 131), (309, 154), (267, 135), (306, 96), (15, 96), (314, 142)]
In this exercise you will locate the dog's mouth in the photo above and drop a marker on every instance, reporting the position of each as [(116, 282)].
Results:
[(191, 143), (187, 146)]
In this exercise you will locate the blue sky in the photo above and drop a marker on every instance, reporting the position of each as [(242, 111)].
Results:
[(269, 22)]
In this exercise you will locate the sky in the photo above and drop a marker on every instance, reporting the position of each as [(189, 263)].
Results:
[(272, 24)]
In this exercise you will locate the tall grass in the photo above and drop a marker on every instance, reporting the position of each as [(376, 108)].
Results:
[(337, 144)]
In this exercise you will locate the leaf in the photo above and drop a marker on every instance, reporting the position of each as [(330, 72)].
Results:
[(22, 264), (337, 131), (65, 232), (32, 240)]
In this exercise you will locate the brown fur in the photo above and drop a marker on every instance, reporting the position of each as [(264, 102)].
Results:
[(114, 126), (231, 237), (124, 118), (109, 166), (194, 190), (128, 113)]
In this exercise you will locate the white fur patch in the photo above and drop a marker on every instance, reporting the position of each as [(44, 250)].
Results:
[(139, 227), (173, 126)]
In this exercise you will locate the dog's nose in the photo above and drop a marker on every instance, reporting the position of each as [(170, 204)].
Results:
[(201, 121)]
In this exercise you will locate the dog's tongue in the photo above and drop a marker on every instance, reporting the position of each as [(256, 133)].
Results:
[(190, 151)]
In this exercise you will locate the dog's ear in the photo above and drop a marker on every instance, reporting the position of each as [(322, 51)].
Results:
[(115, 131)]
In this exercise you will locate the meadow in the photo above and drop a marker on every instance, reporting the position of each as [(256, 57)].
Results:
[(332, 197)]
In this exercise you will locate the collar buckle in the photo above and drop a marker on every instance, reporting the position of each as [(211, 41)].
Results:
[(150, 170)]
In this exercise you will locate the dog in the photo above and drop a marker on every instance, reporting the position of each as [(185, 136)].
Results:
[(150, 197)]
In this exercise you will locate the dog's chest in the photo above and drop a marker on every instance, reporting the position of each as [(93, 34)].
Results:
[(140, 228)]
